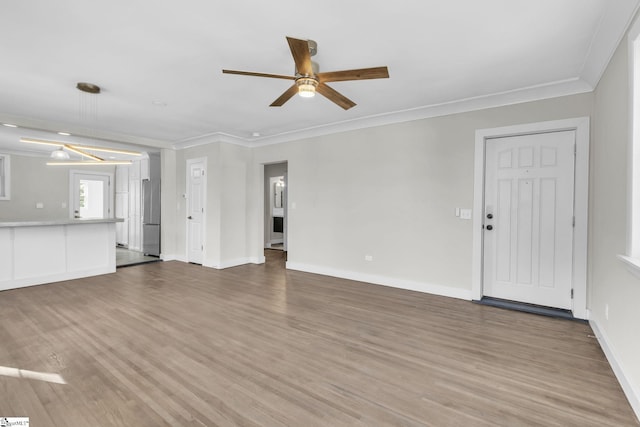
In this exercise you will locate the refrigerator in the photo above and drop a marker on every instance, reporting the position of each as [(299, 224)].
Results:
[(151, 209)]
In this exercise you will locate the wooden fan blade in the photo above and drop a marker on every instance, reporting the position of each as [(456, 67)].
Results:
[(359, 74), (300, 51), (335, 96), (285, 96), (250, 73)]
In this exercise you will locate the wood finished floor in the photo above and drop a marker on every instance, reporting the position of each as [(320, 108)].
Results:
[(174, 344)]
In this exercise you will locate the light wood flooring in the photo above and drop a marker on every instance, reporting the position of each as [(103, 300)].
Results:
[(175, 344)]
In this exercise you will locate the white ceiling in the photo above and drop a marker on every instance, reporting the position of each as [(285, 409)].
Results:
[(443, 56)]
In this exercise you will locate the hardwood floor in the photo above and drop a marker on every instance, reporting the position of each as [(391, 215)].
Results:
[(174, 344)]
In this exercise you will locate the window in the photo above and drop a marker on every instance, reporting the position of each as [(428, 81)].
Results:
[(632, 256), (5, 177)]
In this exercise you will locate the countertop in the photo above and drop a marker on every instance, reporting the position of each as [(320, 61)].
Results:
[(45, 223)]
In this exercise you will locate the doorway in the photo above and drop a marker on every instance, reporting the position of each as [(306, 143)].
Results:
[(91, 196), (196, 202), (275, 206), (530, 219)]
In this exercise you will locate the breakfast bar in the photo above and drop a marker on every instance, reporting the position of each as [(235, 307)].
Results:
[(38, 252)]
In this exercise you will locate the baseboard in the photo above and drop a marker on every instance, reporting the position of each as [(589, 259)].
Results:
[(429, 288), (632, 392), (240, 261), (58, 277), (164, 257)]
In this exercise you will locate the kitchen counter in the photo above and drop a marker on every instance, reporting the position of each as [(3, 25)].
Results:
[(58, 222), (39, 252)]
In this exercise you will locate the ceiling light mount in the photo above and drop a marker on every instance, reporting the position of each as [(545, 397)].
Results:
[(313, 47), (88, 87)]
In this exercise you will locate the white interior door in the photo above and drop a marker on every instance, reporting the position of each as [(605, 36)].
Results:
[(91, 195), (528, 218), (196, 191)]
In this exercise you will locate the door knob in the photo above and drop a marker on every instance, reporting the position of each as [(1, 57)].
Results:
[(489, 227), (489, 216), (189, 217)]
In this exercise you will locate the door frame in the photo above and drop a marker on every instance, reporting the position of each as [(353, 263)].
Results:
[(581, 198), (204, 204), (73, 173)]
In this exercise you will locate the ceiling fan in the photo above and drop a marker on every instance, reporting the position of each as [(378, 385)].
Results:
[(308, 79)]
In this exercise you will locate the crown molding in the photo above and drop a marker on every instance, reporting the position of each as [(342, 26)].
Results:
[(611, 30), (212, 138), (533, 93)]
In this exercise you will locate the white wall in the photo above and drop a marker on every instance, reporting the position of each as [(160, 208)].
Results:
[(32, 181), (609, 281), (391, 192), (226, 225)]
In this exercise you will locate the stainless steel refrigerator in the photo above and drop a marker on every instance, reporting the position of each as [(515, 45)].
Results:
[(151, 209)]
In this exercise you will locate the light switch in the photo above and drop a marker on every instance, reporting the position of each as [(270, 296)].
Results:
[(39, 205), (465, 213)]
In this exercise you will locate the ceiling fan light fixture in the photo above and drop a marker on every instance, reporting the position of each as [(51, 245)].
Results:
[(306, 87), (59, 154)]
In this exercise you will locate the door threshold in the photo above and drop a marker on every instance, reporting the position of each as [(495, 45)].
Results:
[(528, 308)]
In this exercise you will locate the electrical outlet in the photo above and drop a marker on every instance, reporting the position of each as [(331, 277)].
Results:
[(368, 257), (39, 205)]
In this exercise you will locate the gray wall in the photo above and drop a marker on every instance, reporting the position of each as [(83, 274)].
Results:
[(32, 181), (226, 208), (391, 192), (610, 282)]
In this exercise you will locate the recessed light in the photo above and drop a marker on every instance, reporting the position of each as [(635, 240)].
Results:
[(9, 125), (64, 133)]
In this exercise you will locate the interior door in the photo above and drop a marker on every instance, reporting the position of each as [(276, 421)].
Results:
[(196, 183), (528, 218), (90, 195)]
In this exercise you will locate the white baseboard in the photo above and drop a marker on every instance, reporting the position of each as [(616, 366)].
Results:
[(429, 288), (239, 261), (630, 390), (169, 257), (58, 277)]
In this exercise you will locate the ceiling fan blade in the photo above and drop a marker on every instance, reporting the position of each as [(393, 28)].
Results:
[(335, 96), (285, 96), (250, 73), (359, 74), (300, 51)]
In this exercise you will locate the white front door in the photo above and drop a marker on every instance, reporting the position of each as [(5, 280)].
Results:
[(196, 190), (91, 195), (528, 218)]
